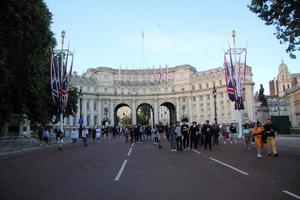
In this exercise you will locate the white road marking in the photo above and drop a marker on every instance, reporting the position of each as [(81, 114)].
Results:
[(245, 173), (121, 171), (129, 152), (132, 145), (291, 194), (198, 152)]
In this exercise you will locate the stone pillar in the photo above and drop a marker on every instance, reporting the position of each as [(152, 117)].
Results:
[(112, 118), (155, 111), (100, 117), (198, 109), (178, 109), (91, 112), (133, 112), (190, 110), (84, 114)]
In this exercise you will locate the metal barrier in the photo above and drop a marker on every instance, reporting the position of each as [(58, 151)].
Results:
[(295, 131)]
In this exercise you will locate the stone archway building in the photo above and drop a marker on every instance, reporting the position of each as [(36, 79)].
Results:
[(184, 90)]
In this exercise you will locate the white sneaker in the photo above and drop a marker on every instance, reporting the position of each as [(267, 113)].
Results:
[(259, 156)]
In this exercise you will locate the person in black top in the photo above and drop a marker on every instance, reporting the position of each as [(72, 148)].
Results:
[(216, 133), (194, 131), (270, 130), (185, 134), (208, 132)]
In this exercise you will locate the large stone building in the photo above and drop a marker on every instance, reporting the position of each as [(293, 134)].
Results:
[(284, 91), (185, 92)]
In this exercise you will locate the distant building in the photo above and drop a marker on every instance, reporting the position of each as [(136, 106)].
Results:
[(284, 81), (292, 97)]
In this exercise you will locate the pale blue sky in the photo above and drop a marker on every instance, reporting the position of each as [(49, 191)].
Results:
[(108, 33)]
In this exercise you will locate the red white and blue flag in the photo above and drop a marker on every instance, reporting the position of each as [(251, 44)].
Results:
[(54, 77), (230, 83)]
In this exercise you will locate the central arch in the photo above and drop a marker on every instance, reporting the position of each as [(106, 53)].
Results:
[(122, 116), (145, 114), (172, 111)]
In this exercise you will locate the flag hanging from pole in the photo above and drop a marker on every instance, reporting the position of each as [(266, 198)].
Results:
[(231, 91)]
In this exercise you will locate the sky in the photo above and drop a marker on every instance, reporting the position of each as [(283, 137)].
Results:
[(109, 33)]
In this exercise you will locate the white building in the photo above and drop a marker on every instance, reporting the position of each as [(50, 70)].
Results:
[(185, 92)]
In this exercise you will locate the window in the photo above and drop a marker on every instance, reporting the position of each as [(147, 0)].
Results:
[(88, 118), (283, 87), (193, 87), (88, 105), (173, 89), (288, 86), (220, 82), (201, 98), (208, 97), (105, 90), (166, 89), (115, 91), (194, 98), (182, 89), (200, 86), (183, 99), (214, 83), (122, 91), (95, 105), (206, 85), (95, 120)]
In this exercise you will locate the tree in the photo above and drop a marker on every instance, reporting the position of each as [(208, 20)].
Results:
[(285, 15), (25, 43)]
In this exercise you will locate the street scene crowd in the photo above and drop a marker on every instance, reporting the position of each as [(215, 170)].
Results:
[(181, 136)]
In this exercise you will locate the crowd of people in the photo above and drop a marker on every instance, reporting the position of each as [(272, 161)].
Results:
[(181, 136)]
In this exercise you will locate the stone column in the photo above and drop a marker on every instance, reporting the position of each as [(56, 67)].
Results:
[(190, 109), (100, 117), (91, 112), (133, 112), (84, 114), (112, 119), (198, 109), (178, 109), (155, 111)]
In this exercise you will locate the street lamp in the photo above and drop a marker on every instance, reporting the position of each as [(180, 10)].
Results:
[(80, 110), (183, 108), (214, 93)]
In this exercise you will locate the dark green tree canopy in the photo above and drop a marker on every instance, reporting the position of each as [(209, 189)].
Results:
[(285, 16), (25, 43)]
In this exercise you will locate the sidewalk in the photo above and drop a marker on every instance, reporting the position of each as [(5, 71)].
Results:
[(13, 147)]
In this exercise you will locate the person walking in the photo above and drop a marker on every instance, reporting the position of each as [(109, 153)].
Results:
[(186, 136), (194, 129), (93, 134), (172, 136), (233, 134), (247, 135), (74, 136), (208, 132), (84, 136), (216, 133), (98, 134), (60, 140), (178, 136), (270, 134), (257, 132), (46, 136)]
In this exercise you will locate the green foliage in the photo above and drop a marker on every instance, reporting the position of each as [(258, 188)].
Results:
[(285, 16), (143, 114), (126, 120), (25, 40)]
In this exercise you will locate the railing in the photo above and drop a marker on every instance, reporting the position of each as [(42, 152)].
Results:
[(295, 131)]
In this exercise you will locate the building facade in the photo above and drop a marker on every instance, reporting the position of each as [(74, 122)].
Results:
[(172, 94)]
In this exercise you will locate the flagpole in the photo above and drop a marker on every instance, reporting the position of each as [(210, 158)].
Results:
[(239, 113), (143, 48), (63, 33)]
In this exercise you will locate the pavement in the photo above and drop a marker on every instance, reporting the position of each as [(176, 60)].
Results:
[(116, 170)]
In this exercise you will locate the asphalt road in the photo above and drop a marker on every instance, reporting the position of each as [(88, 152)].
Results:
[(115, 170)]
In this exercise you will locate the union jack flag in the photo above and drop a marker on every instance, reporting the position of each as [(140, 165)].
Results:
[(231, 90), (54, 77)]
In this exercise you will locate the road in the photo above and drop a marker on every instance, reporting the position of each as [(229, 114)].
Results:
[(115, 170)]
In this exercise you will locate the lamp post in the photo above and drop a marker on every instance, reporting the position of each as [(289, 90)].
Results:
[(80, 110), (183, 108), (63, 33), (214, 93)]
